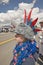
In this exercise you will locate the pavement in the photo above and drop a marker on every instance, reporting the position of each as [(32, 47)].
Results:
[(7, 43)]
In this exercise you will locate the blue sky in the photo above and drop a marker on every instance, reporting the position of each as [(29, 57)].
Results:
[(14, 3)]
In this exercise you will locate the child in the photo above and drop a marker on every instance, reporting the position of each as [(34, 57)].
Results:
[(26, 47)]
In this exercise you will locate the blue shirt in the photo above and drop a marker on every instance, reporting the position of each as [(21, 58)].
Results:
[(23, 50)]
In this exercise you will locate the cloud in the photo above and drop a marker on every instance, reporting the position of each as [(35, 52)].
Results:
[(16, 16), (4, 1), (25, 5), (41, 10), (38, 14)]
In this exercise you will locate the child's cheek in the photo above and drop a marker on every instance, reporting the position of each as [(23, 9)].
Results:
[(19, 39)]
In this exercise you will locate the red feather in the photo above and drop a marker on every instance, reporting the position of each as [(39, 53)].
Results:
[(29, 16), (24, 16), (37, 30), (34, 22)]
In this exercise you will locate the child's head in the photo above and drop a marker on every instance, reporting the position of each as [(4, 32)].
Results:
[(20, 38), (23, 32)]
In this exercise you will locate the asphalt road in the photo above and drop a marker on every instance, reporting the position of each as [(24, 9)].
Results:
[(6, 49), (7, 43)]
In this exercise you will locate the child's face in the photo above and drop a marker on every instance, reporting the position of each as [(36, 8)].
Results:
[(19, 38)]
